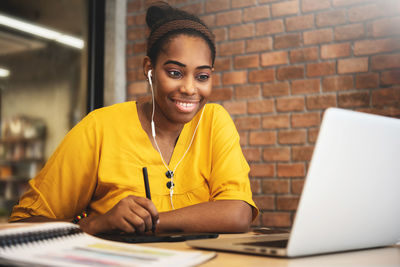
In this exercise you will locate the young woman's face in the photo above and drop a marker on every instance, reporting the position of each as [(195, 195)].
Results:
[(182, 78)]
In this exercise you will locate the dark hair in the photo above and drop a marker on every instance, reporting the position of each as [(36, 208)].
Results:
[(165, 22)]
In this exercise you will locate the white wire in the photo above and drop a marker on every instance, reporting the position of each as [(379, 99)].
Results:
[(171, 189)]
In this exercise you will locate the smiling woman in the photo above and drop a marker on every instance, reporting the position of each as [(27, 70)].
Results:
[(196, 170)]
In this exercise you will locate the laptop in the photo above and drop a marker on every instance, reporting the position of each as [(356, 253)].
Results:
[(351, 195)]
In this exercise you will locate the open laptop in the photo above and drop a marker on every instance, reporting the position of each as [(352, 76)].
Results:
[(351, 196)]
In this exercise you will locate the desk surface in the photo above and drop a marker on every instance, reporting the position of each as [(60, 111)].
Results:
[(389, 256)]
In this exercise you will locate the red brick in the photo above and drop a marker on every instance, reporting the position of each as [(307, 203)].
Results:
[(285, 8), (287, 202), (195, 8), (235, 108), (274, 186), (352, 65), (367, 80), (241, 31), (134, 6), (243, 135), (264, 202), (368, 47), (137, 88), (330, 18), (337, 83), (335, 50), (229, 18), (247, 123), (290, 72), (247, 91), (384, 97), (390, 77), (221, 34), (136, 33), (262, 138), (381, 62), (304, 54), (231, 48), (222, 63), (235, 77), (300, 22), (276, 89), (347, 2), (317, 36), (255, 185), (256, 13), (274, 58), (312, 135), (216, 79), (276, 154), (275, 121), (291, 170), (387, 111), (305, 86), (321, 69), (266, 75), (297, 186), (134, 61), (290, 104), (386, 27), (349, 32), (262, 170), (362, 13), (312, 5), (269, 27), (216, 5), (351, 100), (292, 137), (247, 61), (259, 44), (302, 153), (305, 119), (276, 219), (320, 101), (260, 106), (221, 94), (243, 3), (252, 154), (287, 41), (209, 19)]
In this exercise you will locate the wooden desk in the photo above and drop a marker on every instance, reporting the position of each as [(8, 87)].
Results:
[(389, 256)]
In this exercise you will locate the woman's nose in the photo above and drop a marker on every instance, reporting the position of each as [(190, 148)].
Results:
[(188, 86)]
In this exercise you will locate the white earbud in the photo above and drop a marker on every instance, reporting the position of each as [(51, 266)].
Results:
[(153, 128)]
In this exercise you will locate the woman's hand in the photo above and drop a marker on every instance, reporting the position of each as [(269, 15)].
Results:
[(131, 215)]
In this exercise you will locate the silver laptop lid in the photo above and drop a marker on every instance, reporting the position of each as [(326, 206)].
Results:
[(351, 197)]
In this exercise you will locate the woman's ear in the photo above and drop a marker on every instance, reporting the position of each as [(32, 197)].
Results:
[(147, 66)]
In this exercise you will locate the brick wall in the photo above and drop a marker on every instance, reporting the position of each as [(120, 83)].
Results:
[(280, 64)]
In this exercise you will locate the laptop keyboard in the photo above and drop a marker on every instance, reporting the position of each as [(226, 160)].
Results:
[(275, 243)]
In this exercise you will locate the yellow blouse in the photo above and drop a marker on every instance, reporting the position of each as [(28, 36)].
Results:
[(100, 161)]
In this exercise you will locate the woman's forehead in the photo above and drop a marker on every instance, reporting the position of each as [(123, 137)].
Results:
[(187, 48)]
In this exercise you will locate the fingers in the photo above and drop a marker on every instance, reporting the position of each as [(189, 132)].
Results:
[(134, 214)]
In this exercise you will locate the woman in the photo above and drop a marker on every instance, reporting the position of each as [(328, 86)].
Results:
[(197, 174)]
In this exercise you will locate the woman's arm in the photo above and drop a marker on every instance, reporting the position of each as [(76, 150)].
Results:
[(221, 216)]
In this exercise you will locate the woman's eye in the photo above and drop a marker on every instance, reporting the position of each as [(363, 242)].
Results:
[(174, 74), (203, 77)]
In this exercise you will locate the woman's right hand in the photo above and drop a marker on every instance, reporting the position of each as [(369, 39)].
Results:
[(132, 214)]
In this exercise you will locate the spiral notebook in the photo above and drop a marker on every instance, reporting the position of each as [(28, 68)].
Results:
[(65, 244)]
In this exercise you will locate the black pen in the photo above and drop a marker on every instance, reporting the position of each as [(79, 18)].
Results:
[(147, 188)]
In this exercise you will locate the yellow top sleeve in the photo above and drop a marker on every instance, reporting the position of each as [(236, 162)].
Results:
[(100, 161)]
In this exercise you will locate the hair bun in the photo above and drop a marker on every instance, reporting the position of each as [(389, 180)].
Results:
[(157, 12)]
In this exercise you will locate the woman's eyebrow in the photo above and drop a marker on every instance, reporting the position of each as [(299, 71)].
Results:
[(183, 65)]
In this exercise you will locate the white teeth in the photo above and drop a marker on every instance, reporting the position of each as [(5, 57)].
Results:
[(184, 104)]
